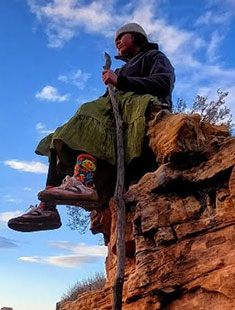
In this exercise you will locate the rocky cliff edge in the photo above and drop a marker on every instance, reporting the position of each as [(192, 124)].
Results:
[(180, 229)]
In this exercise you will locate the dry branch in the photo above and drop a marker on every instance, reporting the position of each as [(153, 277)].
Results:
[(121, 209)]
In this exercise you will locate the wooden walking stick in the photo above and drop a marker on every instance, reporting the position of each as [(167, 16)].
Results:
[(120, 204)]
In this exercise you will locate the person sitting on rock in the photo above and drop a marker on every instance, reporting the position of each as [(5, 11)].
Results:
[(84, 147)]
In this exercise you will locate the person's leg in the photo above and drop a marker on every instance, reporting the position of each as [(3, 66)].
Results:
[(79, 187), (53, 177), (84, 169), (43, 216), (105, 181)]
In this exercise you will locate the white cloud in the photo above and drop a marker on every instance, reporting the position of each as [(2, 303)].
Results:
[(27, 166), (41, 128), (64, 18), (32, 259), (102, 18), (50, 93), (69, 261), (27, 189), (10, 198), (81, 254), (213, 46), (64, 261), (192, 52), (158, 29), (228, 4), (58, 35), (77, 78), (81, 248), (6, 216), (211, 18)]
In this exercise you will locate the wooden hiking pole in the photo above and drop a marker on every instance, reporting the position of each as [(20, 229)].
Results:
[(120, 204)]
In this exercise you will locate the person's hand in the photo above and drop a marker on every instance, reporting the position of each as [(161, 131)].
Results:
[(109, 76)]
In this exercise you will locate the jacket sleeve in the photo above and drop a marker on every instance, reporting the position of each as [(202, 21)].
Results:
[(158, 82)]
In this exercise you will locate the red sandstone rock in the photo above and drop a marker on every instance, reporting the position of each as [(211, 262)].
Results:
[(180, 230), (179, 136)]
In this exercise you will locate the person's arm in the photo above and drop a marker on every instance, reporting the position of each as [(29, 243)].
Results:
[(159, 82)]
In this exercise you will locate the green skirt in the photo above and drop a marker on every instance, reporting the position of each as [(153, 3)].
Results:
[(92, 129)]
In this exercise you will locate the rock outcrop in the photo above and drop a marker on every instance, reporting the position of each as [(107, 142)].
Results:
[(180, 229)]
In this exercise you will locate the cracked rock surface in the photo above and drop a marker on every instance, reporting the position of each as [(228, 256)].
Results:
[(180, 229)]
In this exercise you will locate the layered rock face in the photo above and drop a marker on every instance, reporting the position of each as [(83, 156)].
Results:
[(180, 230)]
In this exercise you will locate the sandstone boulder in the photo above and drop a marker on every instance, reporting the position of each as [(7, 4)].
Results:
[(180, 230)]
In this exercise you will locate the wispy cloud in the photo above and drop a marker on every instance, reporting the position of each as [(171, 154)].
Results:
[(5, 216), (41, 128), (74, 15), (50, 93), (228, 4), (80, 248), (31, 259), (64, 261), (77, 78), (213, 46), (64, 18), (10, 198), (6, 243), (29, 189), (81, 254), (194, 53), (211, 18), (27, 166)]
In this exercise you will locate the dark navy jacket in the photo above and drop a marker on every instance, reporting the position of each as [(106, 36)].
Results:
[(148, 72)]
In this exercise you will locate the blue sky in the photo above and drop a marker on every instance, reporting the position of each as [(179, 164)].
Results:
[(51, 58)]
